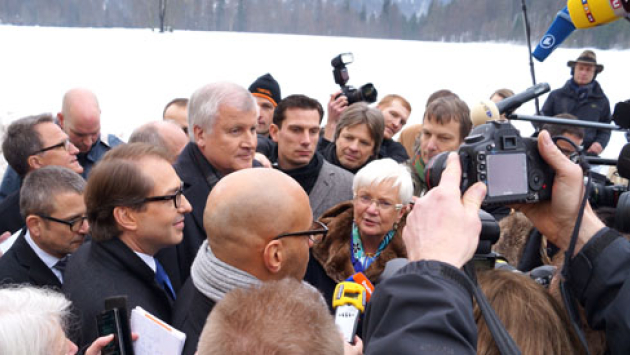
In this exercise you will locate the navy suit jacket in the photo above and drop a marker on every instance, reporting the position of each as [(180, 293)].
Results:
[(20, 265)]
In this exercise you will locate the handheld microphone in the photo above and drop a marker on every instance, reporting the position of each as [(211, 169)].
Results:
[(115, 320), (560, 29), (591, 13), (349, 302), (362, 280)]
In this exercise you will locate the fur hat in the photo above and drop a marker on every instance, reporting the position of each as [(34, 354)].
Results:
[(266, 87), (587, 57)]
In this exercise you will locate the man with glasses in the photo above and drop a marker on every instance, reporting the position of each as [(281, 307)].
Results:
[(135, 208), (31, 143), (80, 119), (52, 202), (244, 245)]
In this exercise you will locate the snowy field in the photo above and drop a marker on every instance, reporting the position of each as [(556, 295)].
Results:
[(135, 72)]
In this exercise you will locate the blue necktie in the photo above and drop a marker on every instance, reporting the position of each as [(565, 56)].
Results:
[(162, 279), (61, 264)]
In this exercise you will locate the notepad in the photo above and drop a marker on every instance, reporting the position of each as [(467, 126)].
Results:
[(155, 336)]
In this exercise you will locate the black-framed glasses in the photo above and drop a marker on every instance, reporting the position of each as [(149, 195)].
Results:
[(65, 145), (75, 224), (176, 197), (316, 234)]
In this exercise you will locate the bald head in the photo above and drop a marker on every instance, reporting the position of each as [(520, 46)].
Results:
[(164, 134), (80, 118), (247, 209)]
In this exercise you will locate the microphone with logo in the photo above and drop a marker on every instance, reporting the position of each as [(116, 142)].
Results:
[(560, 29), (487, 110), (349, 301)]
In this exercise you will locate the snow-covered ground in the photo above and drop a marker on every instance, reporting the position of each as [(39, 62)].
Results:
[(135, 72)]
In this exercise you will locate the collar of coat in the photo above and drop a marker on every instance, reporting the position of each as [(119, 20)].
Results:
[(333, 253)]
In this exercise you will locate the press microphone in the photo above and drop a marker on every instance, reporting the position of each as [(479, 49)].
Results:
[(560, 29), (115, 320), (362, 280), (484, 111), (349, 302), (591, 13)]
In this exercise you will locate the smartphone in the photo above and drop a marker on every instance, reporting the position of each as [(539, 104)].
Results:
[(109, 322)]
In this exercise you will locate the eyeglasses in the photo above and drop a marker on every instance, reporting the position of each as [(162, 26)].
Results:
[(65, 145), (75, 224), (176, 197), (383, 205), (316, 234)]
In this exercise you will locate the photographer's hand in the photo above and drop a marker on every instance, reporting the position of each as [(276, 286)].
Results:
[(556, 219), (444, 225), (336, 106)]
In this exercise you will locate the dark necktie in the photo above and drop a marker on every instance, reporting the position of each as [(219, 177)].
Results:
[(61, 264), (162, 279)]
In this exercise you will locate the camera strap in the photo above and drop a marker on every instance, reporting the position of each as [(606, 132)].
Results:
[(502, 338), (567, 296)]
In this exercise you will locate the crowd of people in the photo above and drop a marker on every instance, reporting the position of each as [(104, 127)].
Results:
[(234, 218)]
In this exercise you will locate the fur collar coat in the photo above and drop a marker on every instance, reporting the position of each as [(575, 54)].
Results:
[(333, 253)]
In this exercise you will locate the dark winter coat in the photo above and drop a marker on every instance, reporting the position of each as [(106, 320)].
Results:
[(190, 313), (425, 308), (99, 270), (595, 108), (394, 150)]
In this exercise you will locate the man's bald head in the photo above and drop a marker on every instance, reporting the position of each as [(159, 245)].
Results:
[(247, 209), (80, 118), (164, 134)]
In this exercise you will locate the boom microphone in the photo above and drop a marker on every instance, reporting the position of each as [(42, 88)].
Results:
[(349, 302), (487, 110)]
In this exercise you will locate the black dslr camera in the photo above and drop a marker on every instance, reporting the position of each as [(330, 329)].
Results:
[(509, 165), (365, 93)]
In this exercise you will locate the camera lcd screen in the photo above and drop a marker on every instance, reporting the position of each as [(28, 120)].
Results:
[(507, 174)]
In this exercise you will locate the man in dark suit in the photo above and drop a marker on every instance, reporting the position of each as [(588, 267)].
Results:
[(52, 202), (243, 249), (31, 143), (222, 129), (135, 208)]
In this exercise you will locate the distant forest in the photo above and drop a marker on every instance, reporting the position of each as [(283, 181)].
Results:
[(451, 21)]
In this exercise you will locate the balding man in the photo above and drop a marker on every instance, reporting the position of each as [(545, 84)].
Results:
[(80, 119), (244, 249), (164, 134)]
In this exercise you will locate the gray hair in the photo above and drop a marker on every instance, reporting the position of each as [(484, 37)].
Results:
[(204, 104), (29, 317), (21, 140), (41, 185), (385, 170)]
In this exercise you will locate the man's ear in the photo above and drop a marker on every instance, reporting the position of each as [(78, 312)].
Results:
[(125, 217), (35, 162), (60, 119), (200, 135), (34, 225), (273, 256), (273, 132)]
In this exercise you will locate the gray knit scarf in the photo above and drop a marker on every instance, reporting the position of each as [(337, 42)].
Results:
[(214, 278)]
